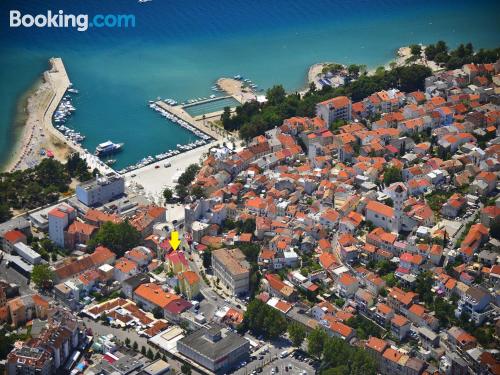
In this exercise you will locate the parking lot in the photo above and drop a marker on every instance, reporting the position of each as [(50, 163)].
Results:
[(290, 366), (268, 359)]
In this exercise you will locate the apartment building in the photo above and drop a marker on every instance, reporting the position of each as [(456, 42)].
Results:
[(231, 267)]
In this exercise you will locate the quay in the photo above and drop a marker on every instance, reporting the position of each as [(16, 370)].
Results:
[(58, 78), (179, 112), (209, 100)]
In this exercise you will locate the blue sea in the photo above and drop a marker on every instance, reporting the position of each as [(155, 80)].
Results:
[(178, 49)]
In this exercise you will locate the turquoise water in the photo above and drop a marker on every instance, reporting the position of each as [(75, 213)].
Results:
[(179, 49), (210, 107)]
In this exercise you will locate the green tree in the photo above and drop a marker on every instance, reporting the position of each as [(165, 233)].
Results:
[(150, 354), (168, 194), (276, 95), (226, 119), (354, 69), (260, 318), (423, 287), (248, 226), (297, 334), (143, 350), (364, 327), (77, 167), (392, 174), (207, 259), (198, 192), (315, 342), (127, 341), (158, 312), (186, 368), (5, 213), (181, 191), (42, 275), (495, 228), (188, 175), (416, 50), (117, 237), (135, 345)]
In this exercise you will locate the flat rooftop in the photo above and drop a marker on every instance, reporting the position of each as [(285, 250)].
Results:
[(202, 341)]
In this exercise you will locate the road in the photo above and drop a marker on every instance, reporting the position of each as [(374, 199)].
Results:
[(466, 221)]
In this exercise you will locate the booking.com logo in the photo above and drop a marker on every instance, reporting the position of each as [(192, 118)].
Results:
[(80, 21)]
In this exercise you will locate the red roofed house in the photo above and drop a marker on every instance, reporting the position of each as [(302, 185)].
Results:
[(341, 330), (78, 233), (141, 255), (478, 234), (376, 348), (334, 109), (189, 284), (484, 183), (177, 262), (400, 300), (125, 268), (278, 288), (328, 261), (381, 215), (454, 205), (12, 237), (152, 296), (400, 326), (347, 285), (146, 217), (391, 362), (489, 214)]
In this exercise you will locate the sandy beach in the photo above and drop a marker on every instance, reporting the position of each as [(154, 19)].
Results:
[(402, 55), (38, 132), (315, 70)]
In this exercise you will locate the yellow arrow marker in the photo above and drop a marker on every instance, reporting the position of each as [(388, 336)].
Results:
[(174, 240)]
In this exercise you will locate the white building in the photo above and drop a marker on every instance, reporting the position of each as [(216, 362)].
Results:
[(101, 190), (232, 269), (339, 108), (59, 219), (27, 253)]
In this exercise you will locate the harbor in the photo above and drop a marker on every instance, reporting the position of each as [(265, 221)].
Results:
[(165, 110), (48, 131)]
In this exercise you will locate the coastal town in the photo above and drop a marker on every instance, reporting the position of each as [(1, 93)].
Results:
[(363, 239)]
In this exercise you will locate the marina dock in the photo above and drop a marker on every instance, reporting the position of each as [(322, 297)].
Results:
[(209, 100), (179, 112), (59, 82)]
